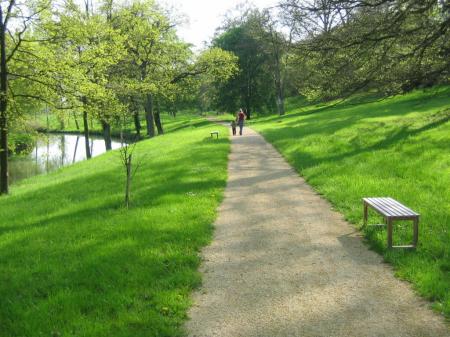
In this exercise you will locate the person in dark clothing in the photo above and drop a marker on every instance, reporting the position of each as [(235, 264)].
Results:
[(233, 127), (240, 120)]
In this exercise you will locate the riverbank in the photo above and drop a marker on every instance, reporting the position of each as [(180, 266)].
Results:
[(51, 151), (396, 147), (127, 135), (74, 262), (70, 126)]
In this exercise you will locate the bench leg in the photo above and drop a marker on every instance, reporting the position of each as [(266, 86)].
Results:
[(389, 233), (365, 214), (416, 231)]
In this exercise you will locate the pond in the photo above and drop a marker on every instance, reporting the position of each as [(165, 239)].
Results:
[(53, 151)]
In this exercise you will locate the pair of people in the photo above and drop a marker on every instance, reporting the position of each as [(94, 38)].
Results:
[(239, 120)]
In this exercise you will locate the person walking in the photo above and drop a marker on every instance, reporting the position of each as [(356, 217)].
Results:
[(240, 120), (233, 127)]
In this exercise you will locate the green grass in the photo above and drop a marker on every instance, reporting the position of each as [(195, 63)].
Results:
[(74, 262), (39, 122), (398, 147)]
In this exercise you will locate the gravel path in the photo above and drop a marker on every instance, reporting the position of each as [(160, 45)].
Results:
[(282, 263)]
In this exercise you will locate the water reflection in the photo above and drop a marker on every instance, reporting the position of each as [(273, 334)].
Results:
[(52, 152)]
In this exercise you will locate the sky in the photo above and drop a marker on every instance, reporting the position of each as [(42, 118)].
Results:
[(204, 16), (201, 17)]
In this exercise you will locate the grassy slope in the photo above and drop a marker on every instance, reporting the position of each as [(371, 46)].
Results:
[(73, 262), (397, 147)]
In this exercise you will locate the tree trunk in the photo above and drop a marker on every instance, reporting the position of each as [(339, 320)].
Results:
[(86, 129), (107, 134), (3, 149), (63, 149), (47, 157), (74, 152), (47, 119), (4, 183), (248, 98), (158, 119), (76, 121), (247, 107), (173, 110), (279, 86), (128, 182), (279, 93), (280, 96), (149, 116), (137, 123)]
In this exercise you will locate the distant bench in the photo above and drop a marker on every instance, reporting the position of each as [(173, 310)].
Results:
[(215, 133), (392, 210)]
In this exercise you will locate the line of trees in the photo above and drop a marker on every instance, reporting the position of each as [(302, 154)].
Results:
[(111, 61), (326, 49), (101, 62)]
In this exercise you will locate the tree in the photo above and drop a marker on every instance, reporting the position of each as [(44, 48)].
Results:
[(15, 20), (150, 43), (212, 68), (159, 65), (389, 45), (252, 87), (91, 47), (267, 29)]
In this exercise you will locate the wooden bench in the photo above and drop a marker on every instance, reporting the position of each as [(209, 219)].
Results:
[(215, 133), (392, 210)]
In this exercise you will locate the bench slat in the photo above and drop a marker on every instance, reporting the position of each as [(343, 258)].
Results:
[(375, 203), (396, 207), (386, 209), (406, 210), (390, 207)]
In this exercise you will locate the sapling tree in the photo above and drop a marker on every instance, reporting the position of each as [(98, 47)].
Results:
[(130, 166)]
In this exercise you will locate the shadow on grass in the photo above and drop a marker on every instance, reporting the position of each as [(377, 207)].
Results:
[(395, 147), (303, 160), (189, 124), (351, 111), (75, 262)]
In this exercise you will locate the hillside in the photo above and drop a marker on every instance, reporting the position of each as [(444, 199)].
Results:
[(398, 147), (75, 262)]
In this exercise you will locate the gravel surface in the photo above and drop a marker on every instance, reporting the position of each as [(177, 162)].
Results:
[(283, 263)]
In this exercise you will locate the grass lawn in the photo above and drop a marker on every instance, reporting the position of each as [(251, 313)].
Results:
[(74, 262), (398, 147)]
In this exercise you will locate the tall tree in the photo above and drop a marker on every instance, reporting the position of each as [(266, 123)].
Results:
[(389, 45), (276, 39), (159, 65), (252, 87), (91, 47), (150, 35), (15, 20)]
